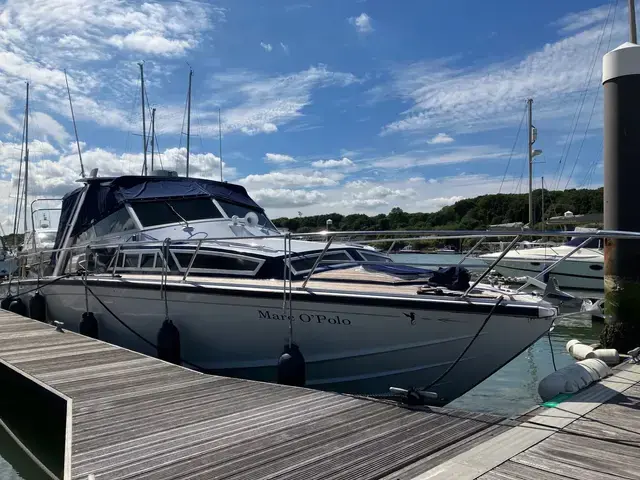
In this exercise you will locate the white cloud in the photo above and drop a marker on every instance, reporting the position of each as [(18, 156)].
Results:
[(440, 138), (362, 23), (44, 125), (282, 179), (344, 162), (278, 158), (266, 46), (443, 157), (279, 197), (147, 42), (259, 104), (446, 94), (580, 20), (36, 37), (285, 48)]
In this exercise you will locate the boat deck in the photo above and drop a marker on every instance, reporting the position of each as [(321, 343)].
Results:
[(338, 281)]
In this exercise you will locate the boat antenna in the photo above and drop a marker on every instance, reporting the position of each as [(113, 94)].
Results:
[(26, 158), (75, 129), (153, 134), (144, 122), (220, 139), (189, 117)]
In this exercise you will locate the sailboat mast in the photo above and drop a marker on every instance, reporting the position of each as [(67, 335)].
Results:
[(542, 192), (530, 159), (633, 34), (16, 216), (153, 134), (144, 122), (189, 119), (75, 129), (220, 139), (26, 158)]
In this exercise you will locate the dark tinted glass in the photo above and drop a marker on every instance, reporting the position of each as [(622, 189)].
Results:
[(170, 211)]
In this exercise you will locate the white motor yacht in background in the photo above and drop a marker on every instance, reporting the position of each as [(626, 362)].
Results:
[(583, 270), (362, 328)]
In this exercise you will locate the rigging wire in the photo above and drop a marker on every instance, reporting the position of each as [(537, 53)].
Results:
[(582, 100), (515, 142), (519, 185), (595, 162)]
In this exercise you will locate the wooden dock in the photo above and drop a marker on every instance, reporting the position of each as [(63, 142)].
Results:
[(131, 416), (101, 410), (595, 434)]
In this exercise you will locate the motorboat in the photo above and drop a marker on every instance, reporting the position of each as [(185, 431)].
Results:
[(408, 249), (583, 270), (143, 250)]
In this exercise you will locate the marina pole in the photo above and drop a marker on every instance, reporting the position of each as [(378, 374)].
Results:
[(621, 81)]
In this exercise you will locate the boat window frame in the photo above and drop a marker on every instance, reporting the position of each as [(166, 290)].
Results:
[(179, 222), (315, 256), (158, 261), (245, 273), (383, 258)]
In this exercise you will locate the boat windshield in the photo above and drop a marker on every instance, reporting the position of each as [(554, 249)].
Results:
[(46, 237), (169, 211), (241, 211), (576, 241)]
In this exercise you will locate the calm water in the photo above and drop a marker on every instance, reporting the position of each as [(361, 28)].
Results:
[(512, 390)]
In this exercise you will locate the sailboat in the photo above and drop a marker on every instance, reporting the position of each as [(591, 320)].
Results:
[(149, 254), (582, 270)]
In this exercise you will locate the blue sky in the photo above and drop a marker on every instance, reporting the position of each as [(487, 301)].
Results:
[(327, 105)]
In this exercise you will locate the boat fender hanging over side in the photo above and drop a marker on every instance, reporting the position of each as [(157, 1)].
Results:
[(168, 343), (38, 307), (88, 325), (6, 301), (18, 306), (291, 367), (573, 378)]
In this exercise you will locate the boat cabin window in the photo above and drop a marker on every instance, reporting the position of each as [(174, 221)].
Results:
[(118, 222), (217, 263), (373, 257), (594, 243), (168, 211), (46, 237), (330, 259), (241, 211)]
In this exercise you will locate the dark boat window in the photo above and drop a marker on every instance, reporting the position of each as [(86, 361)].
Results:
[(147, 260), (170, 210), (119, 221), (216, 262), (594, 243), (241, 211), (372, 257), (330, 259)]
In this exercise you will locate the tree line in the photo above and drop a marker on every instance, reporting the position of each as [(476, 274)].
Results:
[(469, 214)]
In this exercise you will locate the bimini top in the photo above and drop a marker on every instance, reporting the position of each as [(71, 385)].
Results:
[(106, 195)]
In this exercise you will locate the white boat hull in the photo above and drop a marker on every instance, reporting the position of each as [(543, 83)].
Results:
[(578, 275), (348, 344)]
